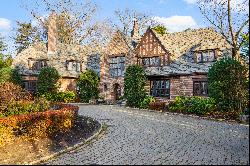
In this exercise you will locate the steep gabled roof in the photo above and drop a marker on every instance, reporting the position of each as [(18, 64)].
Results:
[(180, 43)]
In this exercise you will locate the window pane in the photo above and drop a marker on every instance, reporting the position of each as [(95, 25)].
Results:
[(196, 88), (211, 56), (157, 61), (205, 56), (145, 61), (167, 84), (199, 57), (204, 88)]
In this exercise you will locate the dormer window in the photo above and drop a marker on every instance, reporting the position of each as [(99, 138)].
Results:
[(205, 56), (72, 65), (37, 64)]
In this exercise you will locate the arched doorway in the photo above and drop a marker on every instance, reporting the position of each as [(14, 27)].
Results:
[(117, 91)]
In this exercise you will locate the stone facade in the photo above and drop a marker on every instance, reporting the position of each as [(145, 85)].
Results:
[(68, 59), (120, 46)]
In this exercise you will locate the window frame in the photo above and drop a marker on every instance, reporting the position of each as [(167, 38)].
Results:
[(149, 60), (78, 65), (41, 63), (159, 88), (117, 62), (202, 56), (200, 87), (30, 85)]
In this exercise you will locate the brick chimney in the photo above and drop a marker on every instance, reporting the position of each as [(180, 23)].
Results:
[(52, 33), (135, 31)]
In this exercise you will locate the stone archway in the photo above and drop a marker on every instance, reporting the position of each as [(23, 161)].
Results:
[(117, 91)]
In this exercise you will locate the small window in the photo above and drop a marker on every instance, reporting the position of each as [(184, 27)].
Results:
[(152, 61), (73, 66), (200, 88), (205, 56), (37, 64), (30, 86), (105, 87)]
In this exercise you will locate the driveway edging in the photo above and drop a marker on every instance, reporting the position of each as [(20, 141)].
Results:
[(67, 149)]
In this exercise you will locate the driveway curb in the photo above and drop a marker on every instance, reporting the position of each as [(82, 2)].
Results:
[(68, 149)]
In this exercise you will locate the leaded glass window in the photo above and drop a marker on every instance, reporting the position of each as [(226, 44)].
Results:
[(117, 66), (151, 61), (160, 88), (205, 56)]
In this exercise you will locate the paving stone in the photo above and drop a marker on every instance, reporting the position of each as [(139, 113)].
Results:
[(151, 138)]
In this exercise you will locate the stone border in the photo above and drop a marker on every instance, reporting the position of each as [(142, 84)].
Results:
[(43, 159)]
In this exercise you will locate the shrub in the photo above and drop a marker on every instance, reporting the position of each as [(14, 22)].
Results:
[(228, 85), (88, 86), (25, 107), (158, 105), (65, 97), (146, 102), (6, 135), (38, 124), (7, 74), (134, 82), (10, 92), (193, 105), (47, 81)]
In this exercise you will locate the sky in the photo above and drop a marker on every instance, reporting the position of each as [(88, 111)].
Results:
[(176, 15)]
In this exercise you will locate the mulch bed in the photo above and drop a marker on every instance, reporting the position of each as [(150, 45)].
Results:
[(24, 150)]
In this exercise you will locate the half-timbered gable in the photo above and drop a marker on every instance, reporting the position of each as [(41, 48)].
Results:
[(150, 51)]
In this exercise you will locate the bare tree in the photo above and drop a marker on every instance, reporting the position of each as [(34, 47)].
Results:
[(127, 16), (74, 17), (229, 17)]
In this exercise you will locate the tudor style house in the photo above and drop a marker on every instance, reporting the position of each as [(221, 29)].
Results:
[(69, 60), (176, 64)]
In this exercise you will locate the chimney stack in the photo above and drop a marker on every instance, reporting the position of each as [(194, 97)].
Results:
[(135, 31), (52, 33)]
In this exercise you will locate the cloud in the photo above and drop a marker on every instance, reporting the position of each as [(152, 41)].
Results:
[(177, 23), (191, 1), (5, 24)]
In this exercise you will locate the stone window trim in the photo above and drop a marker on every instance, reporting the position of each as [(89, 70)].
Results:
[(200, 87), (160, 87), (202, 54), (77, 67), (37, 64)]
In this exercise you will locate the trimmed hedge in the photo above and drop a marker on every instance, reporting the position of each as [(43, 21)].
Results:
[(65, 97)]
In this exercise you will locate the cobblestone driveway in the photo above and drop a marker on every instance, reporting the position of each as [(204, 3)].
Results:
[(140, 137)]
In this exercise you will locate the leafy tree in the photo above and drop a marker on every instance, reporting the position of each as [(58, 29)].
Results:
[(88, 86), (228, 85), (5, 60), (8, 74), (245, 46), (160, 29), (25, 36), (48, 81), (134, 82)]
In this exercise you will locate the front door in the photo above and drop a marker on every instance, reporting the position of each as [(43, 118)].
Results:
[(117, 91)]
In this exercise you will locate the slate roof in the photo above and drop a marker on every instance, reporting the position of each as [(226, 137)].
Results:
[(181, 46)]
